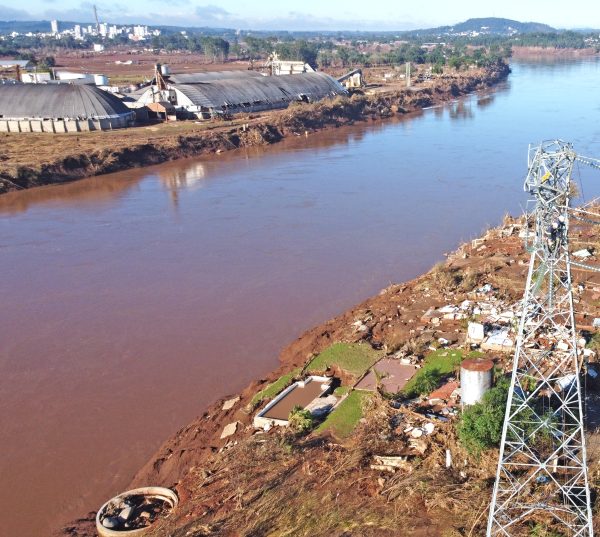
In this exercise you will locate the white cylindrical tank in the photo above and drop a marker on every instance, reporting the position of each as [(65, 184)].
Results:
[(165, 70), (101, 80), (475, 379)]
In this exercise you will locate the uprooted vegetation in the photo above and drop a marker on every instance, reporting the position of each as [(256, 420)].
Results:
[(379, 463), (313, 486)]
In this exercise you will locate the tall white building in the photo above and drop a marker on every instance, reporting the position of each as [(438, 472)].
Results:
[(54, 26), (103, 29), (77, 32), (140, 31)]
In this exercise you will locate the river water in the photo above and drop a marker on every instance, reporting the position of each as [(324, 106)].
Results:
[(132, 301)]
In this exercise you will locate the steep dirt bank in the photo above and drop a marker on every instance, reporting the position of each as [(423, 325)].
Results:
[(276, 484), (63, 158)]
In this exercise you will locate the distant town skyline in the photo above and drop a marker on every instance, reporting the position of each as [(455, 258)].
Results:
[(310, 15)]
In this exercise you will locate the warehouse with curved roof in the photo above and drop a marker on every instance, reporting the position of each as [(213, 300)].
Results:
[(246, 93), (60, 108), (208, 76)]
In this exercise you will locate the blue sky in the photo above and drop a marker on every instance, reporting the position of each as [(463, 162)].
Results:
[(309, 14)]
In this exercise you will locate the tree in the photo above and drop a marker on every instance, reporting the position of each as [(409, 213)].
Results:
[(455, 62), (344, 55)]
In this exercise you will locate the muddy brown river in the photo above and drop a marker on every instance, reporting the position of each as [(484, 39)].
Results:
[(133, 300)]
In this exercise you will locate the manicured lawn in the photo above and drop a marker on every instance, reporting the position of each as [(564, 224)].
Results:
[(354, 358), (274, 388), (342, 421)]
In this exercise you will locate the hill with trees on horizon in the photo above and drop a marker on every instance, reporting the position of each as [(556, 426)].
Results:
[(488, 25)]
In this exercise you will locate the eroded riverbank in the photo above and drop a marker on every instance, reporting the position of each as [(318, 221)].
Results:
[(255, 482), (63, 158), (122, 292)]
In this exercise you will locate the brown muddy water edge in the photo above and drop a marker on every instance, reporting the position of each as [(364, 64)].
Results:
[(277, 484), (63, 158)]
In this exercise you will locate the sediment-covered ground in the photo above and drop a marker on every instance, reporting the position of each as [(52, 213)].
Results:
[(379, 478), (63, 158)]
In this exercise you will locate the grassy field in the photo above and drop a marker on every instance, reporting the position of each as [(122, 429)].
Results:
[(353, 358), (274, 388), (436, 365), (342, 421)]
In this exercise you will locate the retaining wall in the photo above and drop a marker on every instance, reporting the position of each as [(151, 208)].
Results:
[(66, 125)]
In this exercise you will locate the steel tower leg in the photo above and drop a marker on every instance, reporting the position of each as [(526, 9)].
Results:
[(542, 473)]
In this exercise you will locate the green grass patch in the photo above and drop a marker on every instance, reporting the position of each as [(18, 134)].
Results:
[(341, 390), (274, 388), (436, 365), (342, 421), (354, 358)]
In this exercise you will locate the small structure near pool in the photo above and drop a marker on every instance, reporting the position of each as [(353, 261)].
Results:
[(391, 374), (303, 393)]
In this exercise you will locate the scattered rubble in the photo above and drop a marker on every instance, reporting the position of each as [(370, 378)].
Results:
[(403, 457), (229, 430), (229, 404), (133, 511)]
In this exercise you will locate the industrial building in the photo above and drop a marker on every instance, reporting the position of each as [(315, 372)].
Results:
[(60, 108), (207, 76), (239, 91)]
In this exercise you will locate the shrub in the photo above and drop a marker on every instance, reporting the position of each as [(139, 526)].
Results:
[(300, 420), (480, 425), (425, 383)]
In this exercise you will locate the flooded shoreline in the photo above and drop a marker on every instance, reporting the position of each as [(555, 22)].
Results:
[(122, 292)]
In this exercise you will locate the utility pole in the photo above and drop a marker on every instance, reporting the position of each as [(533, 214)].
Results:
[(97, 21), (542, 470), (407, 75)]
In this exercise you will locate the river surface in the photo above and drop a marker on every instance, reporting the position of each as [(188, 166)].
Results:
[(132, 301)]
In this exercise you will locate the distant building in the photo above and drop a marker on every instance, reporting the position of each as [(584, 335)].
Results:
[(35, 78), (140, 31), (54, 27), (103, 29), (353, 79), (11, 64), (287, 67), (77, 32), (98, 47)]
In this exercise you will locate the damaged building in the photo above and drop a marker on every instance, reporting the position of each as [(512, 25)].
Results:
[(206, 95)]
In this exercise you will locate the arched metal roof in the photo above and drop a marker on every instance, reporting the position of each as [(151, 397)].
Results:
[(264, 89), (195, 78), (58, 101)]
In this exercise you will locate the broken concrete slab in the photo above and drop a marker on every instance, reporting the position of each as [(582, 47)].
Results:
[(230, 403), (229, 430)]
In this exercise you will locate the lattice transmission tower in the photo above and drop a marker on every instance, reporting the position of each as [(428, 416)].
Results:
[(542, 473)]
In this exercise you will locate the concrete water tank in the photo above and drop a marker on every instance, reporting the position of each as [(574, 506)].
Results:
[(475, 379)]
